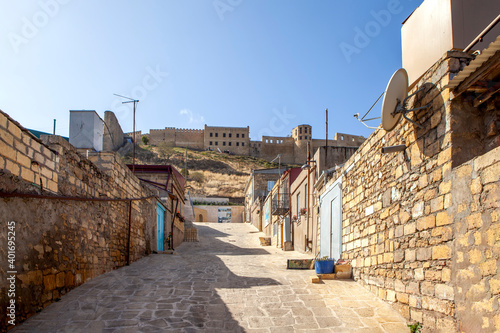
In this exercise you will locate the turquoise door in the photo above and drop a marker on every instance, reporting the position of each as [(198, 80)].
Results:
[(160, 227)]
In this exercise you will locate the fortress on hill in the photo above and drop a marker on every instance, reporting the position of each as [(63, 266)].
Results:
[(293, 149)]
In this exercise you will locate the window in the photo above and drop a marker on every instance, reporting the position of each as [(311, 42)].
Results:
[(211, 134), (229, 143), (300, 130), (216, 143), (243, 135), (300, 138), (298, 204), (270, 185), (223, 135), (242, 144), (305, 130), (237, 135), (210, 143), (271, 141), (229, 134), (224, 143), (216, 135), (237, 144)]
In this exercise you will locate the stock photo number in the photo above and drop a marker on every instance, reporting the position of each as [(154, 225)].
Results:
[(11, 272)]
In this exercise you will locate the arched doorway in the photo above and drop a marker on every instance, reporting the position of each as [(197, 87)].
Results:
[(200, 218)]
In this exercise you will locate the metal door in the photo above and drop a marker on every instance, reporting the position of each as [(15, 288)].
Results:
[(331, 221), (160, 227)]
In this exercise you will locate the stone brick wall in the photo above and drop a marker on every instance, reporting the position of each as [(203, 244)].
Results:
[(112, 133), (475, 260), (402, 220), (60, 243)]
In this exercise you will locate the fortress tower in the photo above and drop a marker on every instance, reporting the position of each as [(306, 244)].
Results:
[(301, 135)]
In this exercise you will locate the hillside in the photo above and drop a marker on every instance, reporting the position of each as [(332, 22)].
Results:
[(210, 173)]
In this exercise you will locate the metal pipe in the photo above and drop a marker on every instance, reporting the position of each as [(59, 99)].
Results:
[(484, 32), (58, 197), (393, 149), (129, 230)]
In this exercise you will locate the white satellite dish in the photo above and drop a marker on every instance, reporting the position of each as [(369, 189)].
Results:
[(395, 93), (396, 96)]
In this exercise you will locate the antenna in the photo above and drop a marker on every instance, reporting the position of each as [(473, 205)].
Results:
[(395, 99), (362, 120), (135, 101)]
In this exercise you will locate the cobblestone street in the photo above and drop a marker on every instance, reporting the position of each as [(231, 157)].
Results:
[(226, 282)]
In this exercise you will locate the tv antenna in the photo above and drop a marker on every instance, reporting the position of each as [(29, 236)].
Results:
[(395, 99), (135, 101), (362, 120)]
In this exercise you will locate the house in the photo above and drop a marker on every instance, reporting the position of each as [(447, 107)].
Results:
[(421, 225), (168, 184), (277, 211), (259, 184)]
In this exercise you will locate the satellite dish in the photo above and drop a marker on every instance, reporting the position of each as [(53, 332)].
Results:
[(395, 94)]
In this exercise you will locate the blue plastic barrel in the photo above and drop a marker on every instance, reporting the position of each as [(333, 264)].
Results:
[(324, 266)]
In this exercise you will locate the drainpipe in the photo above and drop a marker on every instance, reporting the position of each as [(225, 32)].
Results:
[(129, 230)]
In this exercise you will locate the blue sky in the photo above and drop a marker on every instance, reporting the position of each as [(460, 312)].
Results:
[(267, 64)]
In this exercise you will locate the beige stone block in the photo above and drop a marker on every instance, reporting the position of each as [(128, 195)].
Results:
[(442, 218), (27, 174), (444, 291), (465, 170), (445, 156), (432, 275), (441, 252), (429, 321), (60, 279), (388, 257), (437, 175), (495, 285), (3, 121), (7, 138), (8, 152), (404, 217), (437, 204), (491, 174), (446, 274), (426, 222), (474, 221), (410, 255), (445, 187), (419, 274), (476, 187), (446, 325), (13, 167), (402, 298), (23, 160), (409, 228), (424, 253), (391, 295), (475, 256), (49, 282), (14, 130), (489, 267)]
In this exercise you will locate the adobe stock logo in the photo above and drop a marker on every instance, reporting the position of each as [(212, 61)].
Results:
[(223, 6), (372, 29), (277, 123), (30, 28)]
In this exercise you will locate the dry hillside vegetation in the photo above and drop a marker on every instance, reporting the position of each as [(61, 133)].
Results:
[(210, 173)]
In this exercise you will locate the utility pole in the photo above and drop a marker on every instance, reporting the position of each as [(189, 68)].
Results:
[(135, 101), (326, 139), (54, 133)]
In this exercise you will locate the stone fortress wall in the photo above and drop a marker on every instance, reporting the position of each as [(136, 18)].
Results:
[(293, 149)]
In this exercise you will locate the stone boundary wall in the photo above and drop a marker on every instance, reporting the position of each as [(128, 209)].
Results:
[(398, 209), (112, 133), (61, 244), (476, 254)]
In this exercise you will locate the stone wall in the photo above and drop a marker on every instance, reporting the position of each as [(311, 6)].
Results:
[(112, 133), (401, 223), (475, 260), (62, 243), (212, 212)]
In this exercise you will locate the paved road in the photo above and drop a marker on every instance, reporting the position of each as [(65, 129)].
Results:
[(226, 282)]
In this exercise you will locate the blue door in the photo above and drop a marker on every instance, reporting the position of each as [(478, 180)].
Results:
[(160, 226)]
